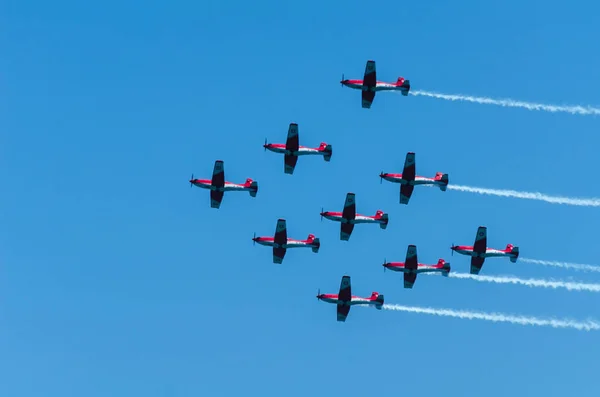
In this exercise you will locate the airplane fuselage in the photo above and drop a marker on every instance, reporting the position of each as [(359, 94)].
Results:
[(291, 243), (302, 150), (337, 216), (379, 86), (207, 184), (355, 300), (399, 267), (419, 180), (489, 252)]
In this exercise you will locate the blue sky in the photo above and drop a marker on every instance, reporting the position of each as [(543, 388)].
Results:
[(118, 279)]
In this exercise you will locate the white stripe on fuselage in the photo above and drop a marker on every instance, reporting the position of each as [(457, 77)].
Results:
[(357, 219), (419, 180), (228, 187), (489, 253), (289, 244), (300, 152), (378, 87), (420, 269), (354, 301)]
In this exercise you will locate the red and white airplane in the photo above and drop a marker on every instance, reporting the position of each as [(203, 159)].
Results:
[(369, 85), (411, 267), (349, 217), (479, 251), (345, 299), (292, 149), (218, 186), (408, 179), (280, 242)]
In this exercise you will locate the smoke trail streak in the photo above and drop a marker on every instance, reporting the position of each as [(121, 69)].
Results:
[(571, 286), (582, 110), (588, 202), (564, 265), (589, 325)]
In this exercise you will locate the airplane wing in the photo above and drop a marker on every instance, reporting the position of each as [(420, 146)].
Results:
[(479, 247), (480, 240), (369, 80), (349, 211), (409, 279), (411, 263), (280, 239), (215, 198), (342, 312), (346, 231), (345, 295), (476, 264), (405, 193), (292, 143), (367, 99), (409, 172), (218, 176), (289, 163)]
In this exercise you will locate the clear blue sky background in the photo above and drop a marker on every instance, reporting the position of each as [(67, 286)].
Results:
[(117, 279)]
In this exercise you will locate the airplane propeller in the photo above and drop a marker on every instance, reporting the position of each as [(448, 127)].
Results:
[(341, 82), (322, 214), (384, 262), (380, 178), (452, 249), (318, 293), (254, 239), (265, 145), (191, 179)]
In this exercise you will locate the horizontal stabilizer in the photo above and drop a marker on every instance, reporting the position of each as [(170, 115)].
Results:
[(328, 152), (514, 254), (385, 220), (316, 244), (406, 87), (253, 185)]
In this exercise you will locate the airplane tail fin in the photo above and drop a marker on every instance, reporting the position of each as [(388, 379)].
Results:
[(445, 266), (378, 300), (327, 151), (314, 242), (443, 178), (383, 217), (253, 185), (405, 85), (514, 251)]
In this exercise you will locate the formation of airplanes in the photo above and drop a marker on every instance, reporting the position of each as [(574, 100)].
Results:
[(348, 217)]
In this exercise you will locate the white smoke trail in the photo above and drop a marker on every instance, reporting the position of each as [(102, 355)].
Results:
[(587, 202), (571, 286), (583, 110), (564, 265), (589, 325)]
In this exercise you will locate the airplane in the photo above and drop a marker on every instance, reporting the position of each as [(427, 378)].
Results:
[(218, 186), (349, 217), (280, 242), (292, 149), (345, 299), (408, 179), (369, 85), (479, 251), (411, 267)]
